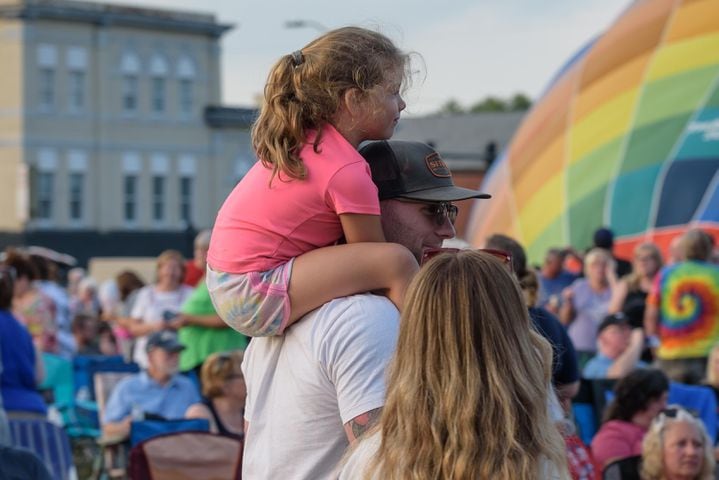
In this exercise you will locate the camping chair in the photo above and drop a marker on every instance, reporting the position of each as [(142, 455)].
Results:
[(112, 460), (47, 441), (623, 469), (187, 456), (589, 404), (142, 430), (85, 367), (697, 399)]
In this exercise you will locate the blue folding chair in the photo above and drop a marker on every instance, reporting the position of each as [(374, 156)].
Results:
[(699, 400), (145, 429), (47, 441), (86, 366)]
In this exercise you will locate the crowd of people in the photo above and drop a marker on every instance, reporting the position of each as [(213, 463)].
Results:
[(189, 359), (375, 352)]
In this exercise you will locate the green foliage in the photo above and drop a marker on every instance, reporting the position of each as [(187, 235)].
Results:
[(517, 103), (452, 106)]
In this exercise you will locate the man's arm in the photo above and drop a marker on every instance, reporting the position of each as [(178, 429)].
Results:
[(118, 430), (627, 361), (356, 427)]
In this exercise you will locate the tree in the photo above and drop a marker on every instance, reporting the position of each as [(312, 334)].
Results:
[(489, 104), (451, 107), (519, 102)]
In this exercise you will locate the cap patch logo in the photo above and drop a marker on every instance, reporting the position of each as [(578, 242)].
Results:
[(436, 165)]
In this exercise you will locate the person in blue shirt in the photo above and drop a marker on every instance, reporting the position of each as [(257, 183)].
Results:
[(618, 349), (22, 368), (159, 390), (553, 279)]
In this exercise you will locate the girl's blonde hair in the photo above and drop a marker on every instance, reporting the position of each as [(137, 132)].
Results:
[(653, 446), (467, 393), (217, 369), (304, 90)]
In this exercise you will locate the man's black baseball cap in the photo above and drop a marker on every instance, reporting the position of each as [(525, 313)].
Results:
[(412, 170)]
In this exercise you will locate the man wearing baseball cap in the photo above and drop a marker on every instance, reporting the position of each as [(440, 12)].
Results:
[(160, 390), (314, 390), (619, 348)]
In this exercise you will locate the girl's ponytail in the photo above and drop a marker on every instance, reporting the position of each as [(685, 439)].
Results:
[(278, 133)]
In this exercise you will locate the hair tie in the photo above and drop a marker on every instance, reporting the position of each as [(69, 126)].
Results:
[(297, 58)]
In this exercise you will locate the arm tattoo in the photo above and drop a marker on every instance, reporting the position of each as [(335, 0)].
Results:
[(361, 423)]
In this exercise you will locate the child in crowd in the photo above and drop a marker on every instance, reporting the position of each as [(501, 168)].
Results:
[(273, 255)]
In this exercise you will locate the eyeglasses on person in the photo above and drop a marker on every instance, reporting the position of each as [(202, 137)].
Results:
[(440, 211), (501, 255)]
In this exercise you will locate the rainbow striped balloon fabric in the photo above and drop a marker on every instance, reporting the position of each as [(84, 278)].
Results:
[(626, 136)]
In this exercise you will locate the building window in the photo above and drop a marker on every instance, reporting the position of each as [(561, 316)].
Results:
[(129, 93), (47, 87), (76, 184), (158, 94), (130, 193), (186, 200), (186, 96), (158, 198), (77, 90), (44, 195)]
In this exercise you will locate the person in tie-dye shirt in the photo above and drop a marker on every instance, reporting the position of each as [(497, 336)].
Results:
[(683, 310)]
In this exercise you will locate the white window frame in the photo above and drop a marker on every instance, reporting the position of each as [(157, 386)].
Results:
[(77, 166), (186, 74), (158, 84), (46, 79), (158, 95), (160, 170), (45, 176), (77, 99), (76, 61), (47, 68), (130, 198), (159, 194), (130, 93), (130, 90), (187, 170), (131, 170)]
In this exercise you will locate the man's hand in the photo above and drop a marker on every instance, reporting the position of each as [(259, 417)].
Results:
[(356, 427)]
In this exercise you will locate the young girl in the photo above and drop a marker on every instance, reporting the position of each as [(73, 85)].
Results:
[(273, 255)]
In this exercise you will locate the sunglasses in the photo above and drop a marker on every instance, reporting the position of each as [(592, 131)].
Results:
[(673, 412), (440, 211), (501, 255)]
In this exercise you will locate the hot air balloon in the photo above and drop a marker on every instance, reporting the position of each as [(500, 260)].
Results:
[(625, 136)]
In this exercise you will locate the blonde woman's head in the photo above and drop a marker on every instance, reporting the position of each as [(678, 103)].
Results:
[(677, 446), (468, 388)]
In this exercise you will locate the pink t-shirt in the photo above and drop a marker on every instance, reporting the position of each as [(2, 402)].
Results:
[(260, 227), (617, 439)]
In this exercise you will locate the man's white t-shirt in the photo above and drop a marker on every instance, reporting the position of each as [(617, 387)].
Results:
[(303, 387)]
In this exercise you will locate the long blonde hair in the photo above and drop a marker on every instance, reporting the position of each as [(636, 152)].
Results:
[(634, 279), (467, 393), (304, 89)]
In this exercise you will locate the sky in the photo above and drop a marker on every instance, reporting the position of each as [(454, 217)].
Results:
[(467, 50)]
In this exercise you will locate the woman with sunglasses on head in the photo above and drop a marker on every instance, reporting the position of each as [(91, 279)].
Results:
[(677, 447), (224, 392), (467, 390)]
